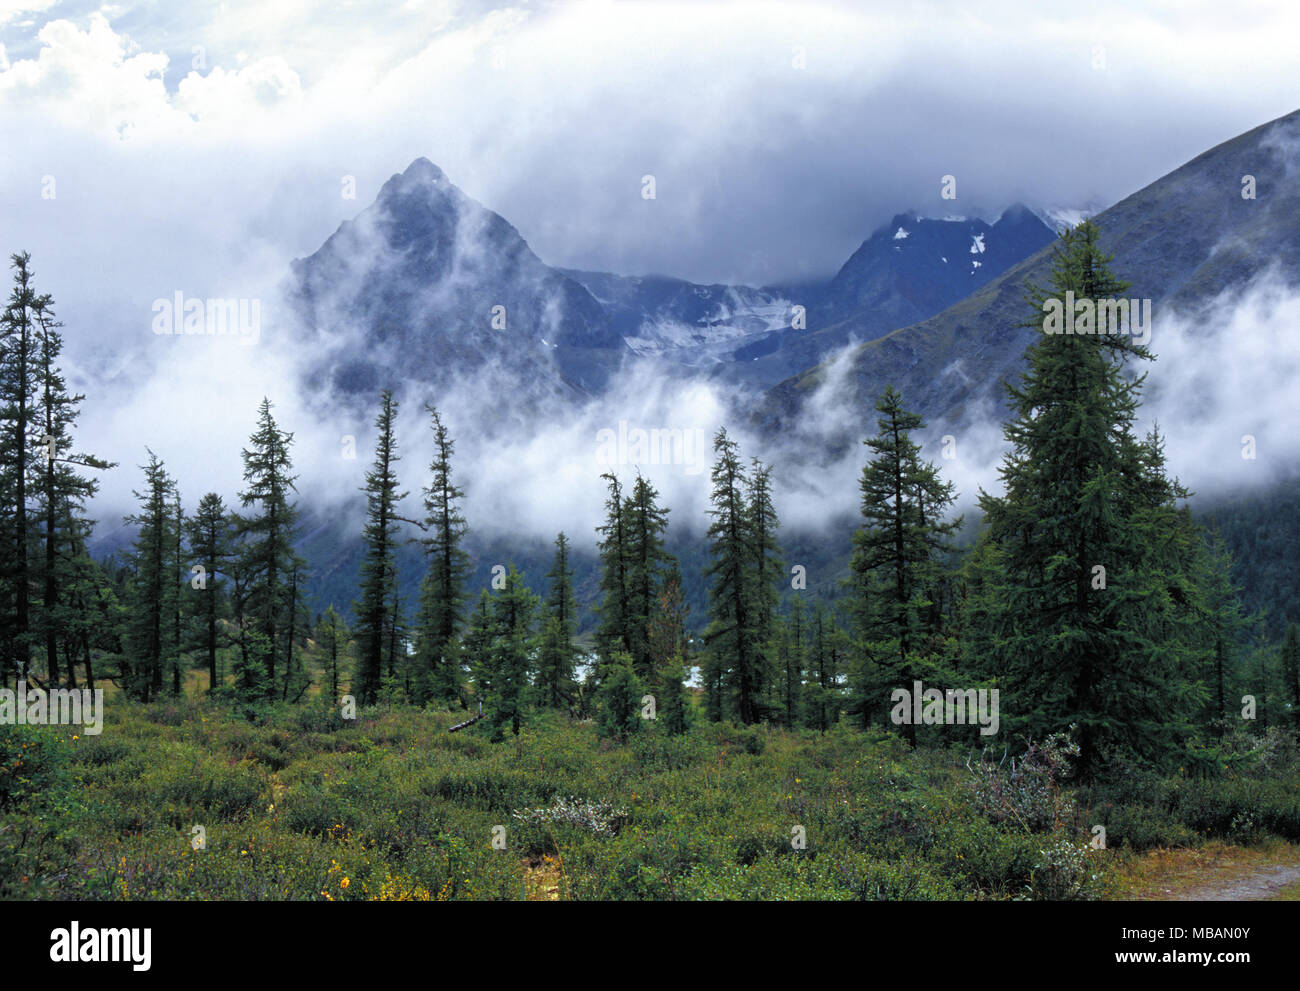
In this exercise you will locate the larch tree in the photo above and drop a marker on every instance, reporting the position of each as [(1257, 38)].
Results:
[(903, 504), (375, 619), (212, 547), (557, 653), (442, 592), (266, 542), (731, 641)]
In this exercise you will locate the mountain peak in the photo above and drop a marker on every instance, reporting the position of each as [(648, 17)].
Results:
[(425, 170), (1016, 211)]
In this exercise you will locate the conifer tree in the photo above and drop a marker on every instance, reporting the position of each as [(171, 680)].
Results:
[(477, 641), (1221, 628), (333, 636), (614, 612), (644, 525), (821, 697), (176, 558), (442, 593), (374, 612), (731, 637), (668, 640), (556, 652), (1290, 664), (503, 676), (894, 553), (19, 449), (620, 700), (62, 489), (793, 659), (1083, 587), (266, 541), (212, 545), (670, 697), (151, 584), (762, 524)]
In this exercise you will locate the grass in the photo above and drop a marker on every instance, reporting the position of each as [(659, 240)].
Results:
[(1166, 874), (296, 804)]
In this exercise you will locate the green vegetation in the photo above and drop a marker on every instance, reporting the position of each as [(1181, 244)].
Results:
[(300, 804), (1138, 698)]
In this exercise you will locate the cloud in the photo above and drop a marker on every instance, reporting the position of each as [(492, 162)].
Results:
[(780, 135)]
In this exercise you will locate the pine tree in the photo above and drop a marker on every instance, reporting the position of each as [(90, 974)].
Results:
[(374, 612), (151, 584), (612, 633), (476, 645), (333, 636), (442, 593), (266, 542), (19, 447), (1290, 663), (176, 564), (503, 675), (1222, 625), (668, 640), (644, 526), (62, 490), (762, 524), (821, 695), (670, 697), (731, 637), (212, 544), (793, 658), (894, 555), (557, 653), (1084, 587), (620, 700), (296, 679)]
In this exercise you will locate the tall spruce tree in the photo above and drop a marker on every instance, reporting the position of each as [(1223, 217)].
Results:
[(731, 638), (904, 502), (1290, 663), (762, 524), (1222, 627), (266, 539), (19, 450), (557, 653), (645, 523), (612, 632), (212, 546), (151, 584), (374, 612), (793, 659), (333, 636), (442, 593), (1081, 585), (61, 489), (670, 652), (821, 695), (502, 677)]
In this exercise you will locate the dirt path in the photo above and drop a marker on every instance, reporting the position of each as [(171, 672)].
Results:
[(1216, 872), (1258, 884)]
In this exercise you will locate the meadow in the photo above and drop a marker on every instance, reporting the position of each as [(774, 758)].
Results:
[(295, 803)]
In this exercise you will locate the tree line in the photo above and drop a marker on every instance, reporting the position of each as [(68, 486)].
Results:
[(1091, 598)]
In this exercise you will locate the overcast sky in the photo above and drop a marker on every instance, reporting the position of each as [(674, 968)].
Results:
[(201, 146), (202, 133)]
